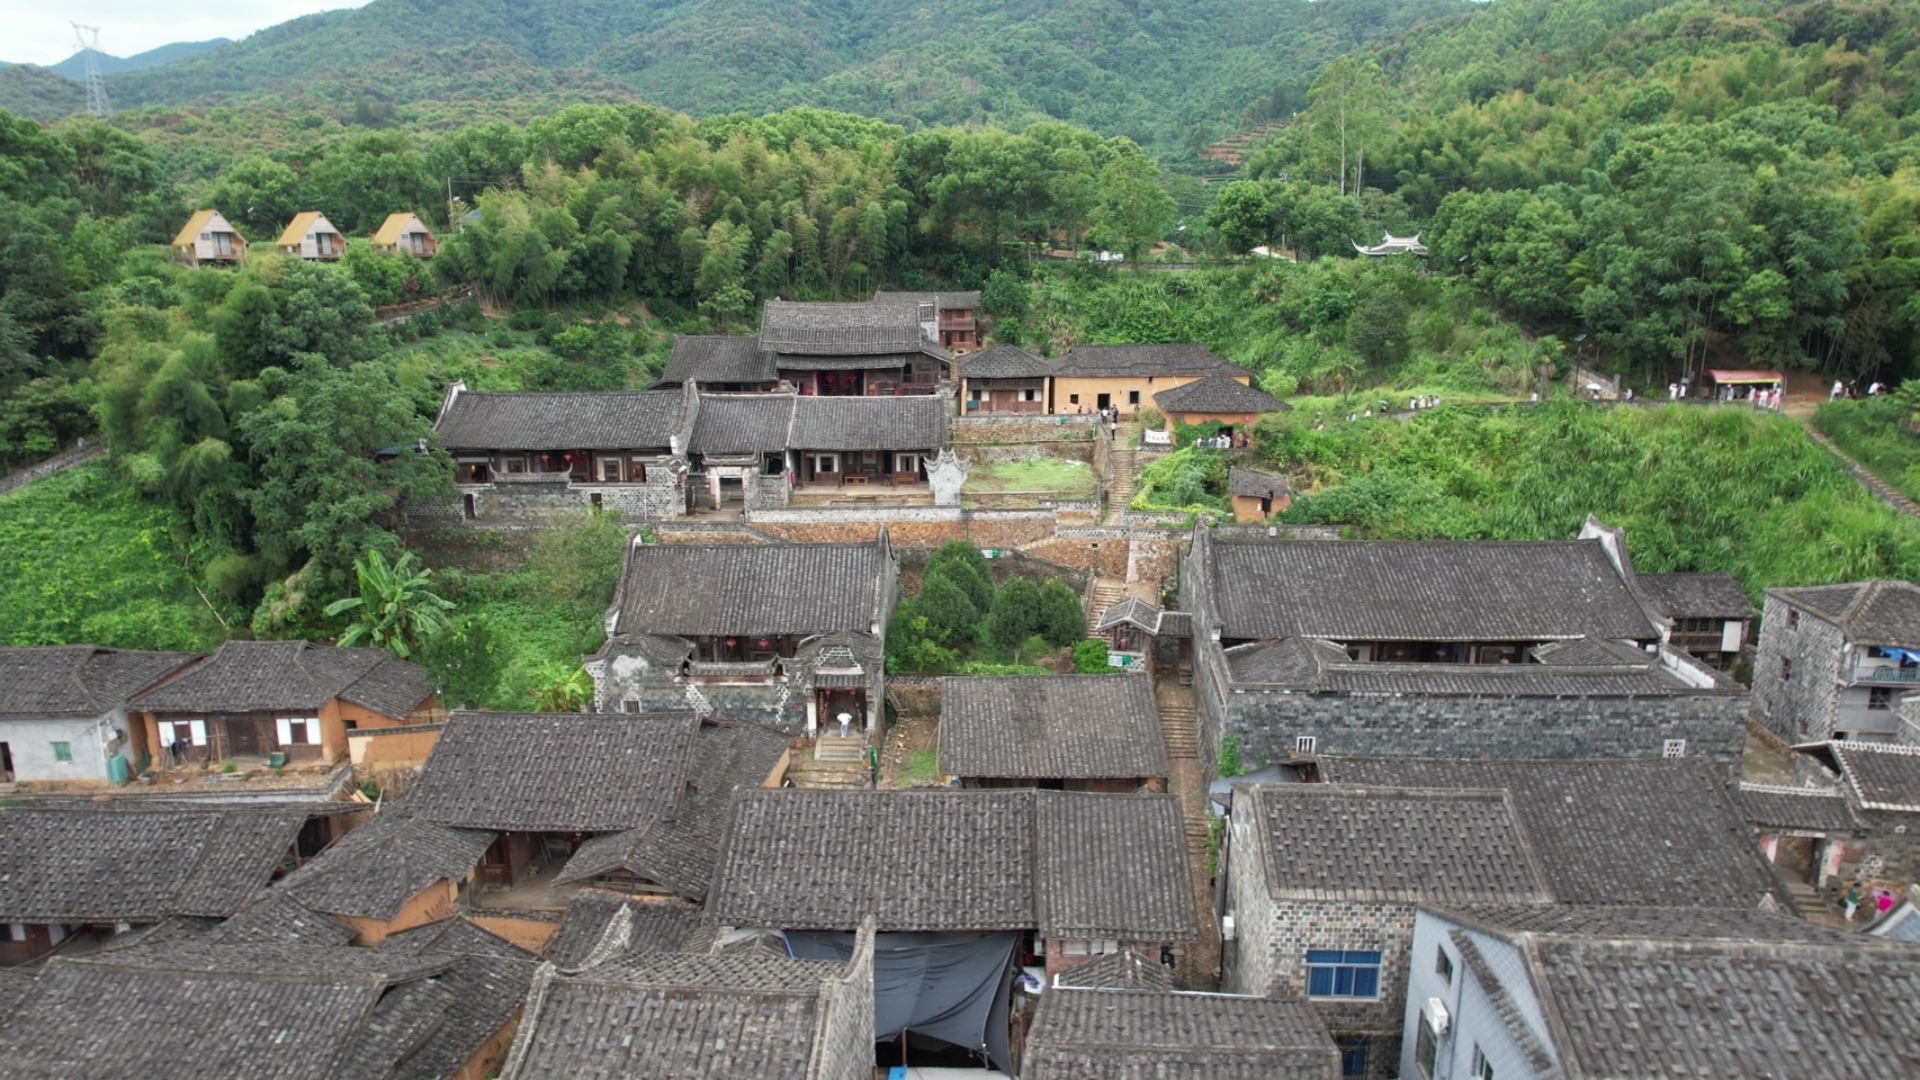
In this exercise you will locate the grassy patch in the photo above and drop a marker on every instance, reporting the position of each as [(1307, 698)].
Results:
[(922, 767), (1063, 477), (1874, 432), (88, 560), (1696, 489)]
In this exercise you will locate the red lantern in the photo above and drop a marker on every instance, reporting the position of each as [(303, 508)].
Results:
[(763, 643), (731, 642)]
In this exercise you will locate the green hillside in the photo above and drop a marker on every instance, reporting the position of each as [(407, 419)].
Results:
[(1166, 73)]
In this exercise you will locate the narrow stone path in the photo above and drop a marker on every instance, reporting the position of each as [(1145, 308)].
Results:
[(1879, 487), (1126, 459), (1199, 967), (1106, 593), (60, 462)]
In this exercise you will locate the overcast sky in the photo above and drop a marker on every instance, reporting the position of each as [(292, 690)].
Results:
[(37, 31)]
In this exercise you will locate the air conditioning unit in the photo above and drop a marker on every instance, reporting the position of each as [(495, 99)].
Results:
[(1436, 1016), (1226, 927)]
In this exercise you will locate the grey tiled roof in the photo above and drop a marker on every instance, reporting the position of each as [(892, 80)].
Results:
[(1131, 1035), (374, 870), (1640, 831), (958, 300), (1581, 668), (687, 1017), (1050, 727), (1391, 590), (1218, 394), (1636, 923), (1124, 360), (747, 590), (1003, 362), (1131, 611), (1334, 842), (277, 918), (914, 422), (1069, 864), (1781, 807), (456, 935), (1257, 484), (482, 993), (86, 865), (845, 329), (555, 772), (1870, 612), (77, 680), (1654, 1007), (677, 851), (249, 676), (718, 358), (1123, 970), (1881, 776), (602, 926), (792, 362), (1697, 596), (239, 1012), (742, 423), (599, 420)]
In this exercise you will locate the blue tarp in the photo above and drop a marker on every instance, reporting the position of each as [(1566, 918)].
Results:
[(951, 987)]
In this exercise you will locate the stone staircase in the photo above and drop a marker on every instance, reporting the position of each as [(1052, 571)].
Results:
[(1106, 593), (1179, 722), (840, 773), (1120, 490), (1816, 908), (834, 748), (1887, 493)]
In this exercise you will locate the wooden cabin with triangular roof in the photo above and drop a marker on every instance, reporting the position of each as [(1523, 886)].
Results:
[(311, 236), (209, 237), (407, 234)]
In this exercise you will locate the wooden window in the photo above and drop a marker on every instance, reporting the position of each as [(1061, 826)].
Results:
[(1133, 397), (1793, 619), (63, 751), (1443, 965), (1786, 669), (1880, 697), (610, 470)]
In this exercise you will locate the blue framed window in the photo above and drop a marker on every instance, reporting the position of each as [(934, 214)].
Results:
[(1353, 1054), (1343, 973)]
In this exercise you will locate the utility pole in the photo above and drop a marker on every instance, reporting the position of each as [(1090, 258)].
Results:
[(96, 86)]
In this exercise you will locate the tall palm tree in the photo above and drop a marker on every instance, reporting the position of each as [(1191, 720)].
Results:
[(397, 611)]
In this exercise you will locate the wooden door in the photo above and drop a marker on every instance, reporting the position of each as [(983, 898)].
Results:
[(249, 736)]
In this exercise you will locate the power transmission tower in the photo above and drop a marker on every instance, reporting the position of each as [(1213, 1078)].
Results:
[(96, 86)]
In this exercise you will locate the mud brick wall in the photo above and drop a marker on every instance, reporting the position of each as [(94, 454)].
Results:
[(1025, 428), (907, 527)]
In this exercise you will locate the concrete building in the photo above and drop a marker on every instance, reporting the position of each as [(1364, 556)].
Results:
[(63, 710)]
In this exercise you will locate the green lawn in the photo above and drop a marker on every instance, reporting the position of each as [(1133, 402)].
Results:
[(88, 560), (1062, 477)]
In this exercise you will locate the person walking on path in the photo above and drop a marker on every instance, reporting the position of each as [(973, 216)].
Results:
[(1883, 900), (1853, 901)]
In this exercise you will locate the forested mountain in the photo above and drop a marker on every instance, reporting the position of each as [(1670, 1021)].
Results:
[(75, 66), (1164, 72)]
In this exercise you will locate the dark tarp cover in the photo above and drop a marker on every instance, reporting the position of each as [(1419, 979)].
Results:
[(951, 987)]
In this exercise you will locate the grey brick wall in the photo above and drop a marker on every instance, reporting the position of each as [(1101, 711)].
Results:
[(654, 500), (1801, 708), (1355, 725), (1269, 958)]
